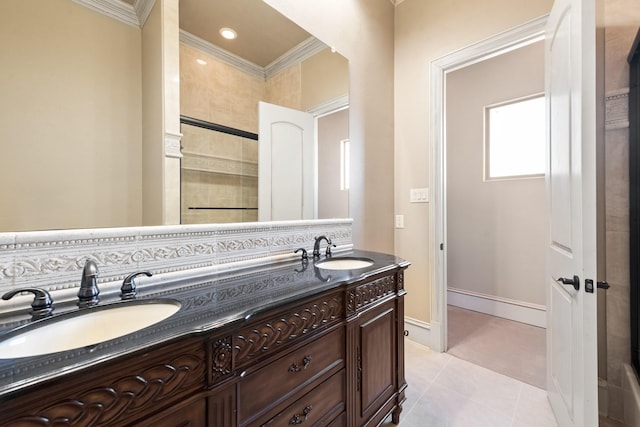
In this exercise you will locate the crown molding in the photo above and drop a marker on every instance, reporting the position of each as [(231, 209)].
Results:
[(396, 2), (115, 9), (135, 15), (331, 106), (143, 10), (299, 53), (223, 55)]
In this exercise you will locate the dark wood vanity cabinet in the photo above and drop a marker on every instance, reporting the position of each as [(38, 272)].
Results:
[(333, 359), (376, 331)]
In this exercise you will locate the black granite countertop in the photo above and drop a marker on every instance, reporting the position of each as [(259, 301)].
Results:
[(208, 303)]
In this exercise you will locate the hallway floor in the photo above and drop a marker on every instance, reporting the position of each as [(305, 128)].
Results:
[(514, 349)]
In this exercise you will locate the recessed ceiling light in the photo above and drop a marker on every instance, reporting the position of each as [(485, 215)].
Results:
[(228, 33), (201, 61)]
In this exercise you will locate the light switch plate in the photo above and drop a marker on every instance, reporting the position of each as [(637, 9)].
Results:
[(399, 221), (419, 195)]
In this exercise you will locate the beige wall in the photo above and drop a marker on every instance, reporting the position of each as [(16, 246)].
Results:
[(495, 228), (325, 76), (70, 119), (425, 31), (285, 88), (361, 31), (621, 20)]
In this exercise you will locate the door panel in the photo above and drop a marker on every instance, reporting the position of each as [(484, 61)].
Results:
[(377, 354), (571, 207), (286, 164), (561, 310)]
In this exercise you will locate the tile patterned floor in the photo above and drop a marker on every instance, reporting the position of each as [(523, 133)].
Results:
[(445, 391)]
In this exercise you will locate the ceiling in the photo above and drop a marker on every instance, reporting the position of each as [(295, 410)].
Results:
[(264, 35)]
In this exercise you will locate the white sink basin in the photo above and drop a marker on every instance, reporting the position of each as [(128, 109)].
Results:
[(85, 327), (344, 263)]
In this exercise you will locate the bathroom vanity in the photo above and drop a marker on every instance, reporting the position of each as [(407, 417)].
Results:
[(281, 344)]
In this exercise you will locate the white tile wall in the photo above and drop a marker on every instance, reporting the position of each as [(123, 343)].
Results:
[(53, 260)]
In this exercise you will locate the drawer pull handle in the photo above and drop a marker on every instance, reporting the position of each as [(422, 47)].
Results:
[(300, 418), (305, 364)]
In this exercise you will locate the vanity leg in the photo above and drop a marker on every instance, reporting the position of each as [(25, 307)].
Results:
[(395, 415)]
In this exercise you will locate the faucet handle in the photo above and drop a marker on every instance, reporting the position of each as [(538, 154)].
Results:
[(42, 304), (304, 253), (128, 288), (328, 251)]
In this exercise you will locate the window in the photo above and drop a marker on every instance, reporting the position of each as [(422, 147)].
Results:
[(515, 139)]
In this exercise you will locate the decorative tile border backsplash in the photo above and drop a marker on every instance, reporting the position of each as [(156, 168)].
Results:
[(53, 260)]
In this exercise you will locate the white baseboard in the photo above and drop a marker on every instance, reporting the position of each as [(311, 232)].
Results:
[(419, 331), (531, 314), (631, 391), (427, 334)]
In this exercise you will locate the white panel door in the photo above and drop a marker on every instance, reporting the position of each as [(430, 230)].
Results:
[(286, 164), (571, 209)]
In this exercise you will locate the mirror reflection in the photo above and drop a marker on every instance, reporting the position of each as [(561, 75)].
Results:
[(270, 61), (75, 123)]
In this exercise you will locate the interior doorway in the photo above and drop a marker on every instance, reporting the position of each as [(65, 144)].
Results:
[(495, 193)]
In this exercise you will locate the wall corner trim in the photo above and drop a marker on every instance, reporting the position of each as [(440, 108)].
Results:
[(172, 144)]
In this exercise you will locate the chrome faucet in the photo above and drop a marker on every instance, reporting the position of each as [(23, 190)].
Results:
[(316, 246), (88, 292)]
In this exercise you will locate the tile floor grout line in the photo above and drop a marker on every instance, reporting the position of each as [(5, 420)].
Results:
[(515, 408)]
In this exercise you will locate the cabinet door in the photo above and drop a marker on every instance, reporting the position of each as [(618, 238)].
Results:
[(376, 359)]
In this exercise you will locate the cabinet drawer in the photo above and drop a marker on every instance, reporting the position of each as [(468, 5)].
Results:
[(317, 408), (267, 387)]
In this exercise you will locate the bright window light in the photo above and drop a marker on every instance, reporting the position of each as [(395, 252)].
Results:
[(515, 139), (344, 164)]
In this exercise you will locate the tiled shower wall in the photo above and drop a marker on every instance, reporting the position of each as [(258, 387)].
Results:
[(220, 93), (53, 260), (219, 178), (622, 19)]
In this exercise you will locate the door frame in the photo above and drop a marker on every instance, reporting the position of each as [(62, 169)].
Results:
[(519, 36)]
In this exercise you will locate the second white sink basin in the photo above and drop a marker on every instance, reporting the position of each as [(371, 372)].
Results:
[(344, 263), (85, 327)]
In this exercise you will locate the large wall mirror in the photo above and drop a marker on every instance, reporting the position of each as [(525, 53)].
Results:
[(71, 124), (222, 81)]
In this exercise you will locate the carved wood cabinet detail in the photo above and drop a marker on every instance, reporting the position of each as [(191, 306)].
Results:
[(333, 359)]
